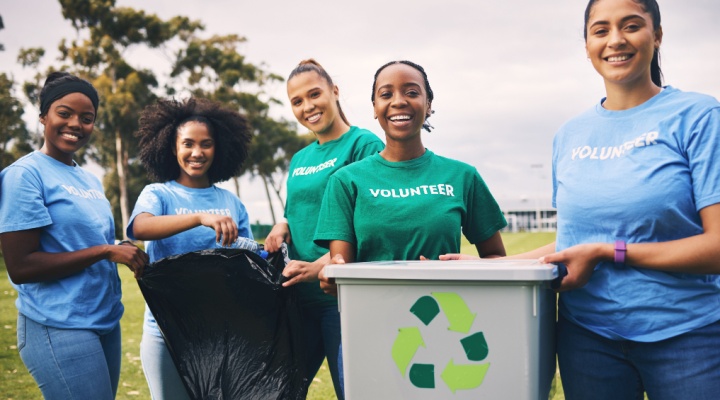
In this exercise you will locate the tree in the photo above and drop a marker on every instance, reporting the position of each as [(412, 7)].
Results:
[(12, 127), (124, 90), (213, 68)]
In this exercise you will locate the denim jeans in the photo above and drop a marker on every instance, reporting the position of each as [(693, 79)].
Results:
[(161, 374), (683, 367), (322, 333), (70, 363)]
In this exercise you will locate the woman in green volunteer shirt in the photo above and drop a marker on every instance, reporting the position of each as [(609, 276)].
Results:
[(406, 203), (314, 100)]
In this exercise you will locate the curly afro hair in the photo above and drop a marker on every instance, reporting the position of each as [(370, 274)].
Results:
[(160, 122)]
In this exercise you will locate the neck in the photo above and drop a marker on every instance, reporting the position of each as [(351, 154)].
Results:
[(338, 129), (624, 97), (402, 151), (62, 157), (199, 183)]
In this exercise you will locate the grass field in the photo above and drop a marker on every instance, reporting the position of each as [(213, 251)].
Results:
[(17, 384)]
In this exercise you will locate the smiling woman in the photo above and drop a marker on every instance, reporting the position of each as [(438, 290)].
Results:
[(57, 235), (187, 146)]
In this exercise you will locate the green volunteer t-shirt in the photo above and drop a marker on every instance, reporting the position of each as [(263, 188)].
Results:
[(402, 210), (310, 169)]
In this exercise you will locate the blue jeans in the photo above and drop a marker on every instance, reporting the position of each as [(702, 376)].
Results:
[(683, 367), (70, 363), (160, 372), (322, 333)]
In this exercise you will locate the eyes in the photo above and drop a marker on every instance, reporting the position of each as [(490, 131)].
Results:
[(604, 29), (189, 144), (297, 101), (86, 119), (411, 93)]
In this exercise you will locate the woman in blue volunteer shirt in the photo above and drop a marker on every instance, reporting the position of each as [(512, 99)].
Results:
[(636, 183), (57, 234), (186, 146)]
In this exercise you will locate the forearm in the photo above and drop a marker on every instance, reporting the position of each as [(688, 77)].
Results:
[(151, 227), (345, 249), (41, 266), (694, 255), (534, 254)]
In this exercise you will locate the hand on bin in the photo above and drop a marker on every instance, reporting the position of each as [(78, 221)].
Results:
[(328, 284)]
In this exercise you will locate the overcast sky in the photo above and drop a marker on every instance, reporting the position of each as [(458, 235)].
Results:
[(506, 74)]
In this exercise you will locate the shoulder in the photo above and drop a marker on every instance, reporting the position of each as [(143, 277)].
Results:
[(451, 163), (678, 99), (157, 190)]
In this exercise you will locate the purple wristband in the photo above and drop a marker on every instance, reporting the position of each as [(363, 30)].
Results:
[(620, 250)]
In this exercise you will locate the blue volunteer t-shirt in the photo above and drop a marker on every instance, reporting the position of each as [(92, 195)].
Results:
[(69, 206), (640, 175), (172, 198)]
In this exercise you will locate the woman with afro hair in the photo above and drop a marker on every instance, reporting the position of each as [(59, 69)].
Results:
[(186, 147)]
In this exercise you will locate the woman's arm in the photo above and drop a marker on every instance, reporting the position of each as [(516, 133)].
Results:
[(150, 227), (492, 247), (345, 249), (303, 271), (280, 233), (699, 254), (25, 264)]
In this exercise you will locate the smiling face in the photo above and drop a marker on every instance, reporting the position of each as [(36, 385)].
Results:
[(68, 125), (195, 151), (401, 103), (315, 104), (621, 41)]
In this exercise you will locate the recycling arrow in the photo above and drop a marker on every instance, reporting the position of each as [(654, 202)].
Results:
[(426, 309), (406, 345), (464, 376), (456, 311)]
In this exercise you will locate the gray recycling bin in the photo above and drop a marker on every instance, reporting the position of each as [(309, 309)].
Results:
[(478, 329)]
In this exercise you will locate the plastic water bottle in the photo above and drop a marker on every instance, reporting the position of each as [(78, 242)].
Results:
[(247, 244)]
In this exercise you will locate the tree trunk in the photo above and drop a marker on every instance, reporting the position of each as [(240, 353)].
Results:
[(267, 192), (121, 161), (236, 181)]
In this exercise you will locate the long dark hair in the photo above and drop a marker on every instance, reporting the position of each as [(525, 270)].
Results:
[(651, 7)]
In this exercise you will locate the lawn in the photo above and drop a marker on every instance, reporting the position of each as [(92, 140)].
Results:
[(17, 384)]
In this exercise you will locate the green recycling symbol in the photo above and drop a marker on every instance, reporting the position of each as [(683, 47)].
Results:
[(457, 376)]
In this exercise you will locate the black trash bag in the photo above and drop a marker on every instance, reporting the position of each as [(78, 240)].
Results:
[(232, 330)]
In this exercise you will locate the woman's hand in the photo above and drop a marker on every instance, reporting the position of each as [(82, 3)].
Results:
[(130, 255), (225, 227), (328, 285), (580, 261), (302, 271), (457, 256), (280, 233)]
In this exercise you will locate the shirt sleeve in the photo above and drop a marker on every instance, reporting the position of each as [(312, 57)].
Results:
[(335, 221), (483, 217), (370, 147), (148, 202), (22, 204), (703, 153), (243, 221)]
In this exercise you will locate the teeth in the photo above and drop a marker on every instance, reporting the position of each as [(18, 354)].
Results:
[(314, 117), (400, 118), (71, 135), (618, 58)]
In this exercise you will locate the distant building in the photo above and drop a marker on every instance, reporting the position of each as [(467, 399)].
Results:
[(529, 216)]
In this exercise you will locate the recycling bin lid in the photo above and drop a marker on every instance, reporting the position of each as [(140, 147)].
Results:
[(456, 270)]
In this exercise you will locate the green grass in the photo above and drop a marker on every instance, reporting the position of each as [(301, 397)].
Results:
[(17, 384)]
